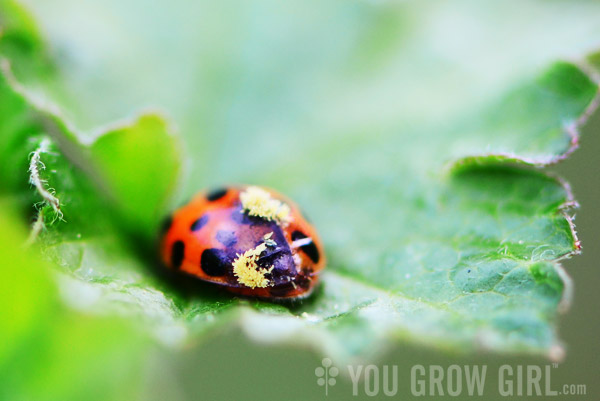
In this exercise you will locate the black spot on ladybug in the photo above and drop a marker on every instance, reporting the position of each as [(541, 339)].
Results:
[(227, 238), (166, 224), (216, 194), (198, 224), (214, 262), (177, 253), (309, 249)]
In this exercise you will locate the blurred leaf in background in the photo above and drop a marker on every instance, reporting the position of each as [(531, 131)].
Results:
[(49, 351), (406, 130)]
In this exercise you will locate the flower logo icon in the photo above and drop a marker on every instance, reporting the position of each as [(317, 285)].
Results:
[(326, 374)]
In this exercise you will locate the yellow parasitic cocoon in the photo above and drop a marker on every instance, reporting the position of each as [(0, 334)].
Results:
[(258, 202), (247, 271)]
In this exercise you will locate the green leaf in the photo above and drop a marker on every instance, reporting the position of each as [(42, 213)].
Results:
[(543, 123), (458, 268), (21, 41), (463, 260), (141, 164), (31, 299), (132, 168), (593, 60), (29, 159), (47, 350), (436, 229)]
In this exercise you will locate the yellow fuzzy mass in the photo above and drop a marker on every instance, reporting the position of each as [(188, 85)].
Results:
[(247, 271), (258, 202)]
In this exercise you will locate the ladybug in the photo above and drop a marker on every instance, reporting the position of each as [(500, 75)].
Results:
[(249, 240)]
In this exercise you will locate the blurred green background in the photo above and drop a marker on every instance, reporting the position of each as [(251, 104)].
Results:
[(284, 74)]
